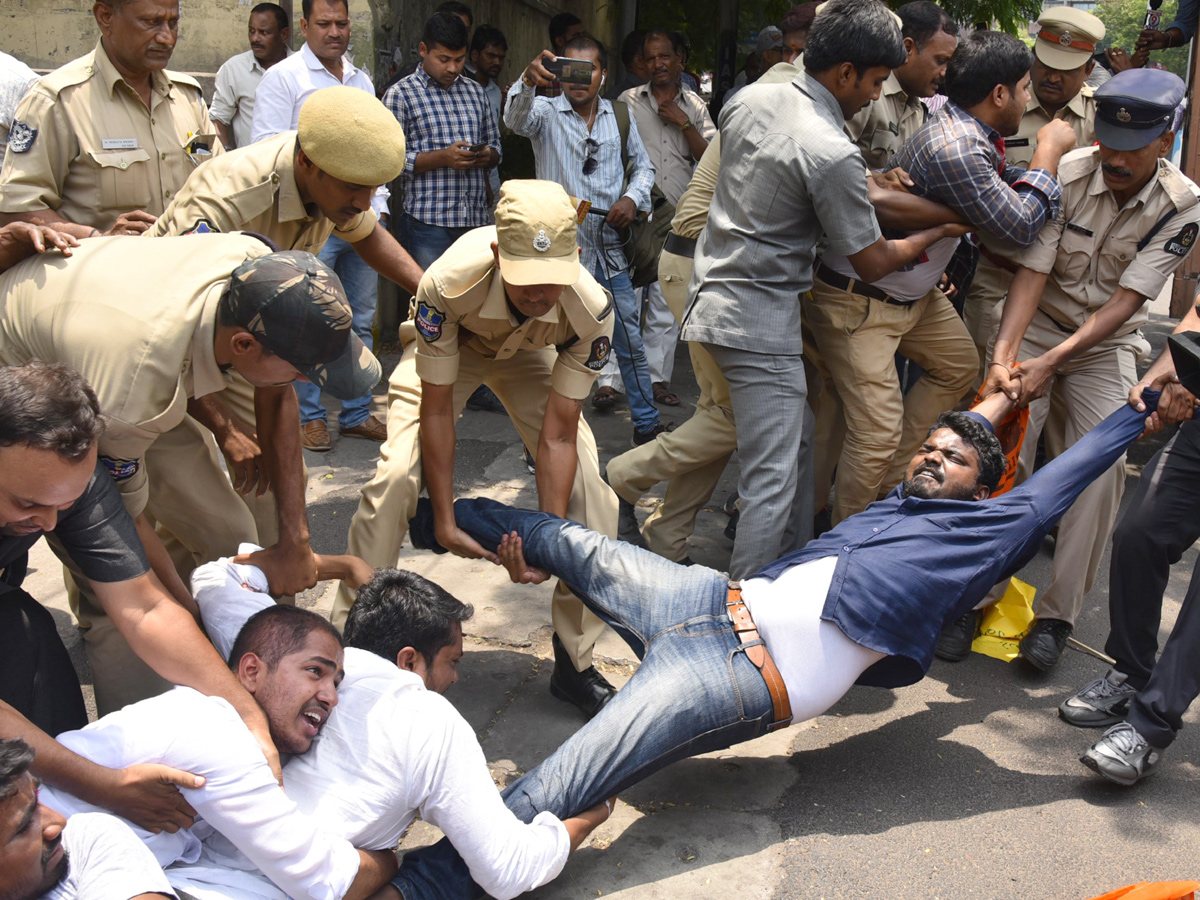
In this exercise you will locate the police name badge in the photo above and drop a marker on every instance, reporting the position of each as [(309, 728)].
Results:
[(1182, 243), (119, 143), (21, 137)]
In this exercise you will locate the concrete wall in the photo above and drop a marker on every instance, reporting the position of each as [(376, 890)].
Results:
[(47, 33)]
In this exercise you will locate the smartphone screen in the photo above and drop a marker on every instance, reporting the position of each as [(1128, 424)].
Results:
[(475, 148)]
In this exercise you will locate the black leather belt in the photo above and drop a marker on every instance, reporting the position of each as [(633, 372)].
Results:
[(680, 245), (851, 286)]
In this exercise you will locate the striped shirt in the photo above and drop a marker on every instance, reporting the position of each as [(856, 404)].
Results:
[(559, 138), (433, 118)]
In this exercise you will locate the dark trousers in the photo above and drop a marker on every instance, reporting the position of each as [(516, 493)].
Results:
[(36, 675), (1160, 525)]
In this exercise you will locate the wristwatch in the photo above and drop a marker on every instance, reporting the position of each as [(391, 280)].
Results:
[(686, 125)]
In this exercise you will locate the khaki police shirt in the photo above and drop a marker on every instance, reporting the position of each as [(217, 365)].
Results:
[(137, 325), (461, 300), (1091, 249), (98, 151), (1079, 113), (254, 189), (885, 125)]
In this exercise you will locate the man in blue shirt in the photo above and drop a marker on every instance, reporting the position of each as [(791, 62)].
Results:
[(726, 662)]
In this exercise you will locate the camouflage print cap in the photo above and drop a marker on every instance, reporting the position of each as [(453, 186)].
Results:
[(296, 307)]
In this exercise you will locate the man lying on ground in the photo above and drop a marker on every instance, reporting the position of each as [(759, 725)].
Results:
[(394, 747), (44, 855), (290, 660), (725, 662)]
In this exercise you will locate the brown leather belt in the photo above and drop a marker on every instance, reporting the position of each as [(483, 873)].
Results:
[(747, 633), (851, 286), (680, 245), (1000, 262)]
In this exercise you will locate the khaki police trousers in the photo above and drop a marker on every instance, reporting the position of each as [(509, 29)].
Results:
[(1083, 393), (389, 500), (987, 290), (856, 339), (693, 456), (200, 518)]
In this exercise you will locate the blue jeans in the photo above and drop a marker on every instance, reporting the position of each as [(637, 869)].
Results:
[(362, 290), (629, 347), (695, 691), (425, 243)]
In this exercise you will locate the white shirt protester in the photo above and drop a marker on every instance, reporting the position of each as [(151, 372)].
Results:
[(16, 79), (106, 861), (285, 87), (392, 750)]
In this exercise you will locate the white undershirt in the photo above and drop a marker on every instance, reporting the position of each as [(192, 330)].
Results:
[(107, 861), (391, 750), (817, 661)]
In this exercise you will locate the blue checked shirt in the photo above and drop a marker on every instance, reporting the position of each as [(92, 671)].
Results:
[(957, 160), (433, 118), (559, 135)]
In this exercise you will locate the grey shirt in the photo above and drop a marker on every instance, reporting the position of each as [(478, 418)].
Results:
[(788, 176)]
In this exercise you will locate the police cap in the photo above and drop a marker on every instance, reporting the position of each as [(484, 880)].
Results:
[(1068, 37), (350, 135), (1136, 106)]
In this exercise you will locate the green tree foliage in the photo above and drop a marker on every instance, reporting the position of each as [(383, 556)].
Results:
[(1124, 19)]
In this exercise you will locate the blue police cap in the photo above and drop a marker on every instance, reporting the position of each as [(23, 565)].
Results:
[(1136, 106)]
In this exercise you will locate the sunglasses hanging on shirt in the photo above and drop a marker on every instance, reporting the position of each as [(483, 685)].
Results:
[(590, 163)]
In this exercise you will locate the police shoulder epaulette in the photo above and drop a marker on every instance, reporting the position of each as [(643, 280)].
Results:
[(77, 71), (1078, 164), (181, 78), (1087, 92)]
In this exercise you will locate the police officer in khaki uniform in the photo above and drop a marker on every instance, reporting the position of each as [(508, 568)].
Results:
[(507, 306), (1071, 318), (692, 457), (296, 188), (150, 331), (1061, 65), (107, 140), (885, 124)]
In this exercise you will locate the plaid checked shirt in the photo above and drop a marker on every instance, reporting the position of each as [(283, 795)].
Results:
[(957, 160), (433, 118)]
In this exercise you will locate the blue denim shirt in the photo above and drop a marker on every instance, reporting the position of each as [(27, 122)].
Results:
[(907, 565)]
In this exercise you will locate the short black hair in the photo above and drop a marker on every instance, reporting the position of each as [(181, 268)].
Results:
[(16, 758), (274, 632), (446, 30), (307, 5), (659, 33), (398, 609), (456, 8), (48, 406), (860, 32), (280, 14), (983, 60), (922, 19), (992, 462), (585, 41), (631, 47), (799, 18), (487, 36), (561, 23)]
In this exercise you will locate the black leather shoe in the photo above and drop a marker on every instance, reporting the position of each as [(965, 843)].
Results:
[(587, 689), (732, 524), (1044, 643), (628, 528), (954, 643)]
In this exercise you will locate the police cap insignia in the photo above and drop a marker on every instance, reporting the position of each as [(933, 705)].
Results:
[(429, 321), (541, 243), (1065, 39), (21, 137), (1181, 244), (599, 355), (1123, 115)]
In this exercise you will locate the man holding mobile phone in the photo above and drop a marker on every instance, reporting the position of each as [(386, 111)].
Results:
[(452, 139)]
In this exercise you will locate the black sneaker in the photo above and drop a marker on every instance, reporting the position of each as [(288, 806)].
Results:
[(732, 524), (954, 642), (1044, 643), (1122, 756), (628, 528), (1103, 702), (485, 400), (645, 437)]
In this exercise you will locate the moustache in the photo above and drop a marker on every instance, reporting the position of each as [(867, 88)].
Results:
[(50, 849), (1116, 170)]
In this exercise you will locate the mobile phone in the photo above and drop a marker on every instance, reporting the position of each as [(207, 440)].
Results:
[(570, 71), (475, 148)]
